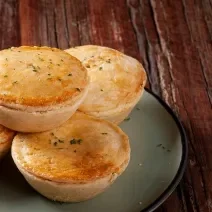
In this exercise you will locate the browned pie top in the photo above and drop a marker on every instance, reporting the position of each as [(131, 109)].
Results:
[(40, 76), (115, 78), (81, 150)]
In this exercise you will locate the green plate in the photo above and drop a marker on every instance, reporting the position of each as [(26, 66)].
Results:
[(158, 160)]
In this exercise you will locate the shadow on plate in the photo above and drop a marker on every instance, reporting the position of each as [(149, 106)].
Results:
[(16, 187)]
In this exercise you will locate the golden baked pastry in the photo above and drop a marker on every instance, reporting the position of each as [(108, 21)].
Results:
[(41, 87), (75, 161), (117, 82), (6, 137)]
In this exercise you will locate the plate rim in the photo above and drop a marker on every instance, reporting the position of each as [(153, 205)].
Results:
[(183, 163)]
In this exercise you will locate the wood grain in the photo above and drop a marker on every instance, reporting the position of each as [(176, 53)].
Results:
[(173, 40)]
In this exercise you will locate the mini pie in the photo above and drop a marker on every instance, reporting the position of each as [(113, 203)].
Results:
[(117, 82), (75, 161), (41, 87), (6, 137)]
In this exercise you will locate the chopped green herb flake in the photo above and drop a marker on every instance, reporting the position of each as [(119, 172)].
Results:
[(15, 82), (40, 58), (127, 119), (159, 145), (101, 89), (70, 74), (62, 60), (168, 150), (163, 147), (79, 141), (138, 108), (87, 66), (5, 76), (6, 59), (108, 61), (100, 68), (49, 74), (35, 70), (58, 64), (75, 141), (55, 143)]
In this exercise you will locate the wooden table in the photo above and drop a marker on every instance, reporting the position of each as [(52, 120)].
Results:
[(172, 38)]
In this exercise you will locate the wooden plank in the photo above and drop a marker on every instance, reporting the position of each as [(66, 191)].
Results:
[(111, 26), (9, 30), (28, 16)]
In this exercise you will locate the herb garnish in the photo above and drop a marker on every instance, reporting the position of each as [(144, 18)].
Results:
[(137, 108), (55, 143), (87, 66), (159, 145), (49, 74), (40, 58), (101, 89), (15, 82), (5, 75), (108, 61), (127, 119), (100, 68), (70, 74), (75, 141)]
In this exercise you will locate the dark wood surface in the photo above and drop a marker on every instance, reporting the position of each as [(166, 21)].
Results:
[(172, 38)]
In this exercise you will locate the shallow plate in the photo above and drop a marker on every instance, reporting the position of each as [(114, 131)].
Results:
[(158, 160)]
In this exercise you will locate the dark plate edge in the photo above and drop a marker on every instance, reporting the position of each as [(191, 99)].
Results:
[(161, 199)]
